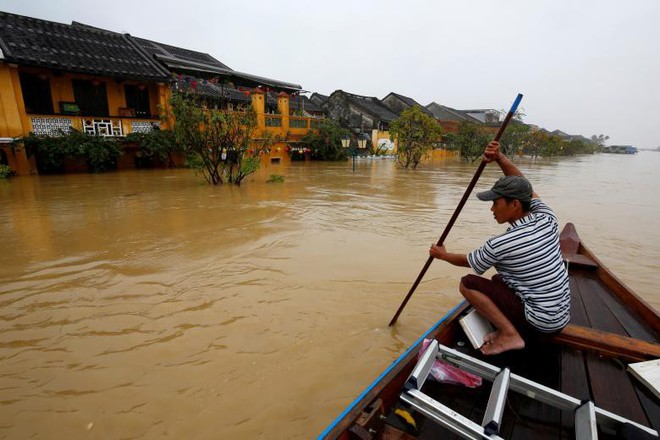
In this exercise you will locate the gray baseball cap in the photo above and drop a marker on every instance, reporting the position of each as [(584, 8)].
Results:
[(512, 187)]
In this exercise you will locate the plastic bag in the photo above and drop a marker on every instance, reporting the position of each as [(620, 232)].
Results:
[(446, 373)]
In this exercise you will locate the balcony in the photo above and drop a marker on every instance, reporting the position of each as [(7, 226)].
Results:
[(53, 125), (273, 121)]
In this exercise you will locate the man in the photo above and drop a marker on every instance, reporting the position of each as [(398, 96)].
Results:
[(529, 297)]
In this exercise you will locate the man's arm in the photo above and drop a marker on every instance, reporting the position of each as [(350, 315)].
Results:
[(441, 253), (493, 154)]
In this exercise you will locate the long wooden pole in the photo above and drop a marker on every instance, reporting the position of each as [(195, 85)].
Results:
[(469, 189)]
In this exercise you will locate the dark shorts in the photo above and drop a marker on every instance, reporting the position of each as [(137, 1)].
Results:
[(505, 299)]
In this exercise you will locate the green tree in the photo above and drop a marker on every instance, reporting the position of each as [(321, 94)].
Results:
[(535, 143), (553, 146), (515, 137), (416, 134), (5, 171), (159, 144), (219, 144), (326, 141), (470, 140)]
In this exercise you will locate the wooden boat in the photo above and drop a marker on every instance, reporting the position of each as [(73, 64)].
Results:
[(610, 328)]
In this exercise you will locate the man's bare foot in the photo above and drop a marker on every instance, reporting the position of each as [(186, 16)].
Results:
[(501, 343)]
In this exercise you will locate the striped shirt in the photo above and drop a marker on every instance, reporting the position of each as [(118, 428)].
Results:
[(529, 259)]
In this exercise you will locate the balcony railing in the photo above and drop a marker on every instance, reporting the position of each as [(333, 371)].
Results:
[(98, 126), (298, 122), (53, 125), (295, 122), (273, 121)]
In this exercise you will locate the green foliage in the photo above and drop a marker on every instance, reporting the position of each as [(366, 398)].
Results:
[(326, 141), (416, 133), (51, 152), (155, 144), (275, 178), (5, 171), (541, 143), (218, 144), (471, 140), (514, 138), (535, 143)]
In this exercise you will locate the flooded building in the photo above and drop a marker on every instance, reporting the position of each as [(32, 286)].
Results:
[(57, 77)]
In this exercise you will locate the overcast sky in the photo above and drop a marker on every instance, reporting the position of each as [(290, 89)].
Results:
[(585, 67)]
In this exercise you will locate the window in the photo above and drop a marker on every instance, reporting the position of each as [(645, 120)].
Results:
[(91, 97), (137, 98), (36, 94)]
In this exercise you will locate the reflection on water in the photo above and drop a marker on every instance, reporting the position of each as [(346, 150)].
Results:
[(147, 304)]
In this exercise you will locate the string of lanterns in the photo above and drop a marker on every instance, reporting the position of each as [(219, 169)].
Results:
[(183, 80)]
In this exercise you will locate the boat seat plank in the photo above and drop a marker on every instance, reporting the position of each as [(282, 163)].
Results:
[(580, 260), (569, 242), (608, 344)]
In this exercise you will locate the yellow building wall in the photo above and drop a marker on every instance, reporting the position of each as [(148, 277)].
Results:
[(13, 122), (10, 117), (61, 90), (377, 135), (279, 151), (162, 103), (283, 108)]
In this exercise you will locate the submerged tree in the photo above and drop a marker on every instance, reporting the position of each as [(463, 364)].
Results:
[(326, 141), (416, 134), (219, 144), (155, 144), (471, 140), (515, 137)]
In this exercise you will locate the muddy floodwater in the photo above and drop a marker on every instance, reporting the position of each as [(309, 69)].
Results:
[(150, 305)]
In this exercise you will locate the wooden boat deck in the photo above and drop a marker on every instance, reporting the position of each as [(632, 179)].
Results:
[(581, 374)]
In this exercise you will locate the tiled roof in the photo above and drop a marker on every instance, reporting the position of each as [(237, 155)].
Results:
[(406, 101), (296, 102), (444, 113), (155, 49), (35, 42), (202, 64), (86, 49), (371, 105), (216, 91), (208, 70), (319, 97)]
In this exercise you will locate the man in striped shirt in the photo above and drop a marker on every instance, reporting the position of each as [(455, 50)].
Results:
[(529, 296)]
